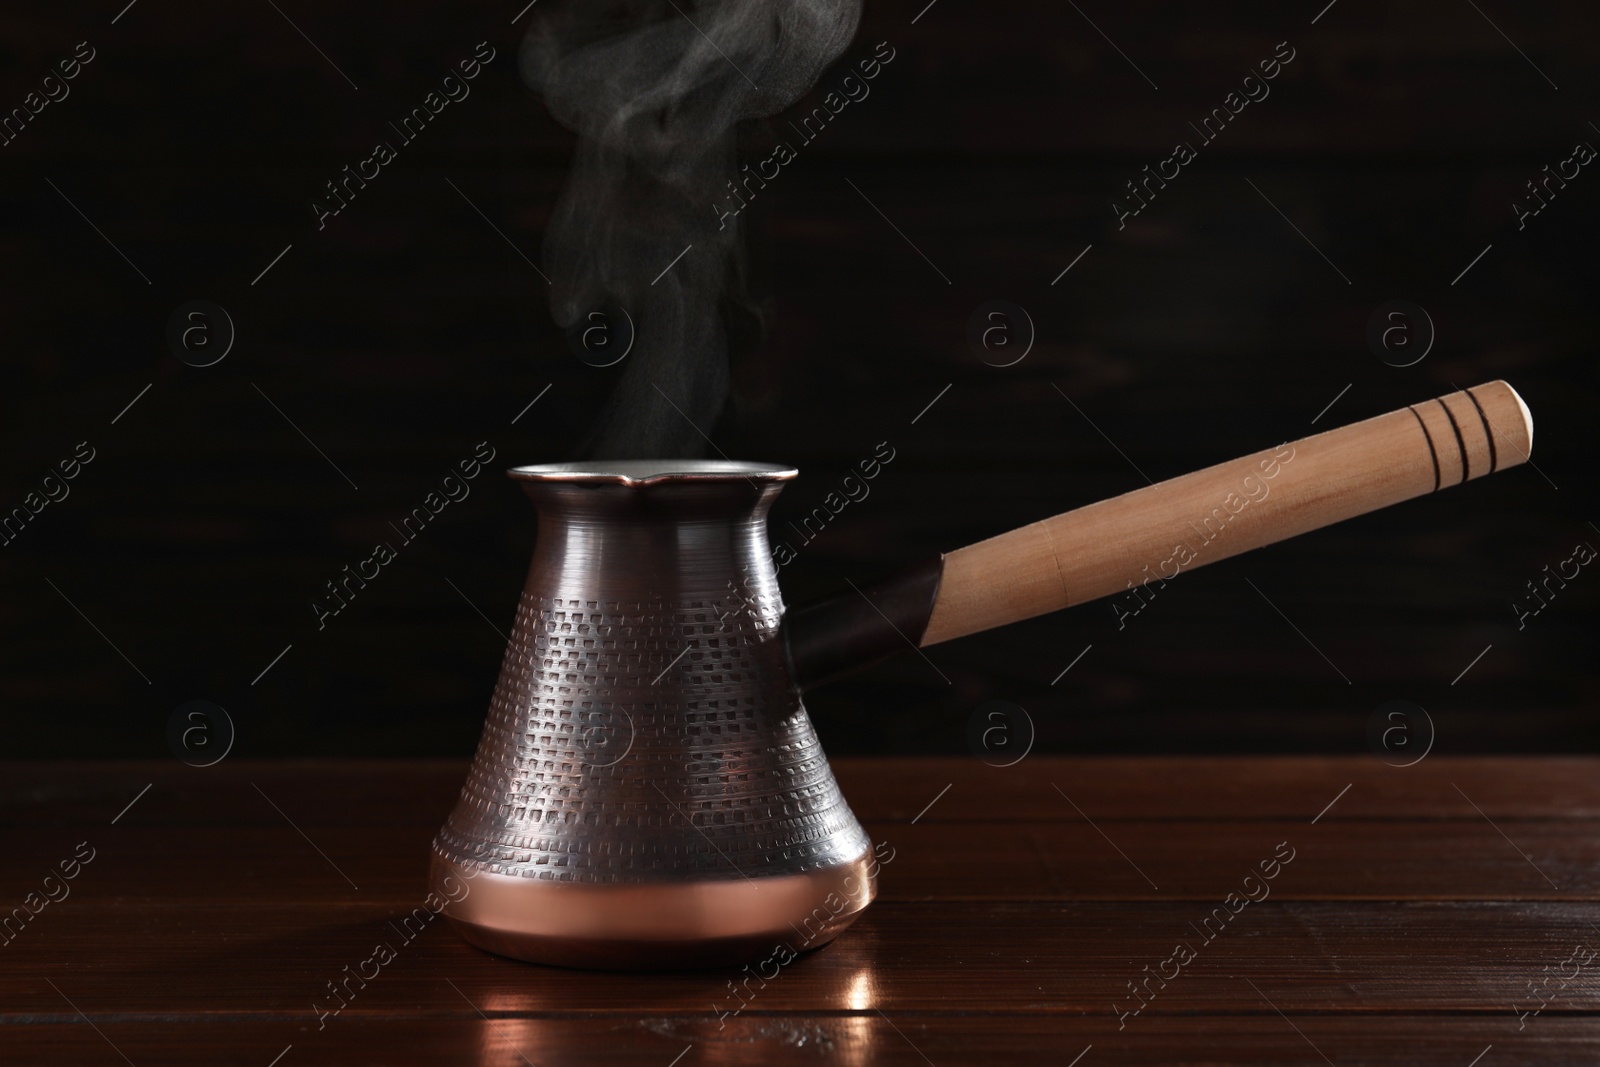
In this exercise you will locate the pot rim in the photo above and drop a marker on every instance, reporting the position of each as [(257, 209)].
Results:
[(636, 473)]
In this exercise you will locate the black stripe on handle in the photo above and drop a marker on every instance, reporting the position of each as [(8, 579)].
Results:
[(1487, 432), (1429, 438), (1460, 444)]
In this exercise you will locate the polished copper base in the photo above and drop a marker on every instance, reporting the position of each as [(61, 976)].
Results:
[(656, 925)]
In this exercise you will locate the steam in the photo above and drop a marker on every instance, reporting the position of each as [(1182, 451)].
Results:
[(655, 90)]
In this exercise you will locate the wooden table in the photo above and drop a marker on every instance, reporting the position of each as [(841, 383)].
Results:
[(1415, 907)]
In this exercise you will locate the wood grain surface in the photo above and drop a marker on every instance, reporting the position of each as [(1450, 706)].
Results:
[(1414, 908)]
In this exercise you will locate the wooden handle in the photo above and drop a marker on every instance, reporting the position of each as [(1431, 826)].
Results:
[(1156, 533)]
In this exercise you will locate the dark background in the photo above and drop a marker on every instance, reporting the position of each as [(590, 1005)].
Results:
[(408, 330)]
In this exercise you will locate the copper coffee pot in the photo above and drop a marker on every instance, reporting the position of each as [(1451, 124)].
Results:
[(648, 791)]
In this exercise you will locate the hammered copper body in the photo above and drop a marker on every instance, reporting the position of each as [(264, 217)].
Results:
[(648, 791)]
